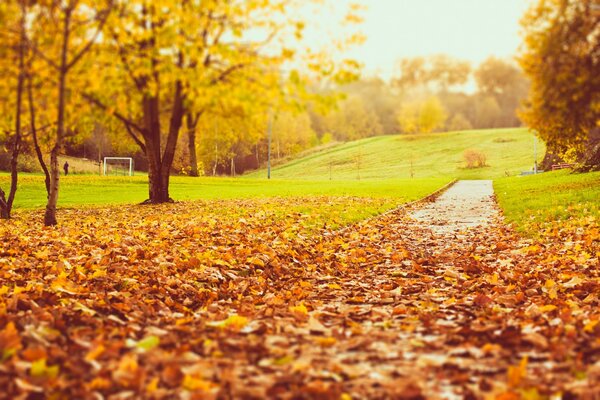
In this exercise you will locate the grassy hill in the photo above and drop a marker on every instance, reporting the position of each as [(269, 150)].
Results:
[(508, 152)]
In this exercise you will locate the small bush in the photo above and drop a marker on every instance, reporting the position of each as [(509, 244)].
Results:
[(474, 158)]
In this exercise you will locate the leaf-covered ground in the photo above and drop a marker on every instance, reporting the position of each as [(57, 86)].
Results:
[(253, 299)]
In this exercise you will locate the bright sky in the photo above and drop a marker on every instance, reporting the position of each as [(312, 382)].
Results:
[(465, 29)]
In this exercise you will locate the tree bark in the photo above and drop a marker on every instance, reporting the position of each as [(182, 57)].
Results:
[(592, 157), (50, 214), (191, 131), (159, 165), (4, 214), (6, 204), (36, 144)]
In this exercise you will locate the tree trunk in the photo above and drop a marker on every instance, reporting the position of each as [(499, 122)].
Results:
[(191, 131), (6, 204), (216, 160), (550, 158), (4, 213), (158, 192), (592, 156), (50, 215), (159, 167), (36, 144)]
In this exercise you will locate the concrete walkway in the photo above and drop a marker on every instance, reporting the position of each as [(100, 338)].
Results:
[(466, 205)]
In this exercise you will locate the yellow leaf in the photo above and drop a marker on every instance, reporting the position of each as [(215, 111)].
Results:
[(547, 308), (325, 341), (39, 369), (192, 384), (299, 309), (152, 386), (589, 327), (94, 353), (234, 322), (517, 373)]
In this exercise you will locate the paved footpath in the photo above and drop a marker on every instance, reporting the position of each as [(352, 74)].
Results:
[(467, 204)]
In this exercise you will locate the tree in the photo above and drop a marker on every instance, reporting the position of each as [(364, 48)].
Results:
[(561, 57), (487, 111), (170, 55), (422, 116), (71, 27), (459, 123), (506, 83), (432, 115), (354, 119), (20, 50), (440, 72)]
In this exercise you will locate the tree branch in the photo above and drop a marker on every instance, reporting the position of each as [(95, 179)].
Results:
[(103, 18), (129, 124)]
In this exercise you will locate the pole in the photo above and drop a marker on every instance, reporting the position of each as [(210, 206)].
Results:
[(269, 134), (535, 153)]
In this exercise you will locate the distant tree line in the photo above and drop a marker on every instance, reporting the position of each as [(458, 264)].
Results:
[(428, 94)]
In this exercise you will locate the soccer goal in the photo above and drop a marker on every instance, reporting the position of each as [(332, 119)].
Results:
[(118, 166)]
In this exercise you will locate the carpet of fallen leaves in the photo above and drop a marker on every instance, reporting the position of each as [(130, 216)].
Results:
[(239, 299)]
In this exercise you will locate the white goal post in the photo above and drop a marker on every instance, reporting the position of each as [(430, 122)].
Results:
[(125, 164)]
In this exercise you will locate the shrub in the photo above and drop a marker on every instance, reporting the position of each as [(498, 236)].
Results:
[(474, 158)]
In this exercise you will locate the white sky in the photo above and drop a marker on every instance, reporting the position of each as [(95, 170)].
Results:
[(465, 29)]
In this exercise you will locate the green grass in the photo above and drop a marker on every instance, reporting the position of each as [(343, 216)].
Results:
[(96, 190), (508, 151), (532, 202)]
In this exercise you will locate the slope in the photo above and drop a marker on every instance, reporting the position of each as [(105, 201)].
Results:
[(508, 152)]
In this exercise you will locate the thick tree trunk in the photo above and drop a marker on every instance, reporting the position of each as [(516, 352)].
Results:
[(191, 131), (550, 158), (159, 166), (158, 188), (592, 157)]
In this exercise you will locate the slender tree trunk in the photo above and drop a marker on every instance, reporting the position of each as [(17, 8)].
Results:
[(50, 215), (6, 204), (191, 131), (36, 144), (216, 160)]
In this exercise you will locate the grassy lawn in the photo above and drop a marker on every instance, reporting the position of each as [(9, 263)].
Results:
[(508, 152), (360, 199), (534, 202)]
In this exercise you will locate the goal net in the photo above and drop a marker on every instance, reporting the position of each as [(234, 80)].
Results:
[(118, 166)]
